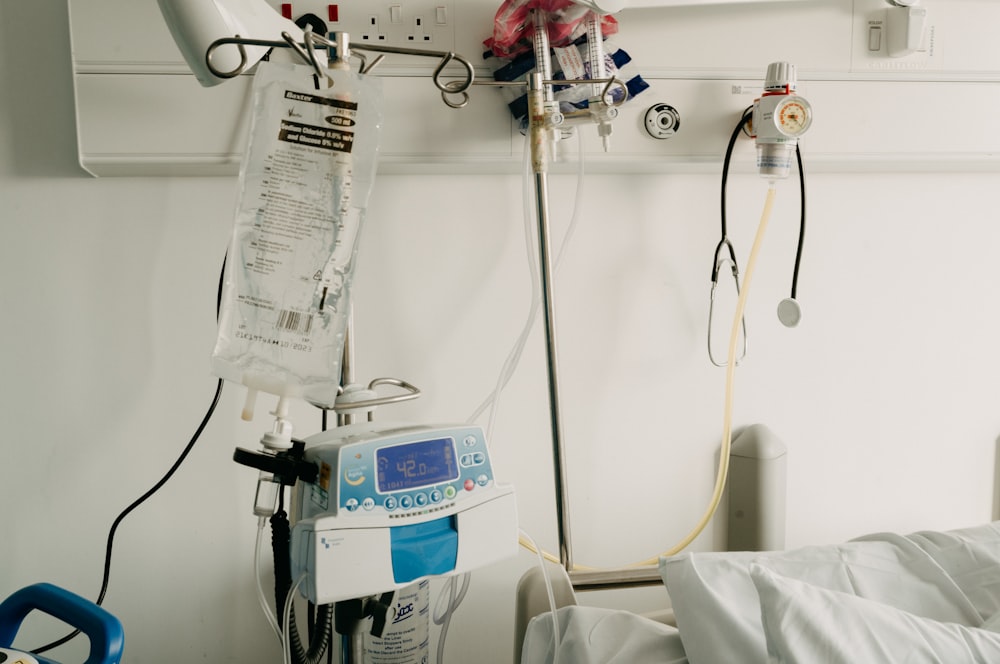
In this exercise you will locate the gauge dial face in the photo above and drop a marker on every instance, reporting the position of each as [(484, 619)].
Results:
[(794, 116)]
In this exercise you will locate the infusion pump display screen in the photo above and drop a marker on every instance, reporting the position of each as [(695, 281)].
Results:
[(413, 465)]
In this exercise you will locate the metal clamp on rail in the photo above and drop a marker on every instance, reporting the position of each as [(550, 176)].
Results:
[(340, 48)]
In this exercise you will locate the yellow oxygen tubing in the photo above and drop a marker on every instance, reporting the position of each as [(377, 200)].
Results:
[(727, 428), (727, 421)]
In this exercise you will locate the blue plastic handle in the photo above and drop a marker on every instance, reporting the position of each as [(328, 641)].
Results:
[(107, 638)]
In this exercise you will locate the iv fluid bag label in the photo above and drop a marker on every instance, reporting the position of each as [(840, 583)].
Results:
[(406, 639), (304, 186)]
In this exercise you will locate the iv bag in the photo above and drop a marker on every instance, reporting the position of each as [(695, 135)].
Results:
[(305, 181)]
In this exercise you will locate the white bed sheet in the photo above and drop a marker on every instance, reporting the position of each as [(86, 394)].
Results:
[(805, 624), (718, 608), (592, 635), (927, 597)]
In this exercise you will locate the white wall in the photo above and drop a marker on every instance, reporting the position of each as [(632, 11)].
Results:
[(886, 394)]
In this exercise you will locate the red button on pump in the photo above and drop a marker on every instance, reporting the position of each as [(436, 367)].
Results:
[(469, 485), (286, 10), (333, 11)]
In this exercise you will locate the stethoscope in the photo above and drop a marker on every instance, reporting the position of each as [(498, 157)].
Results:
[(789, 311)]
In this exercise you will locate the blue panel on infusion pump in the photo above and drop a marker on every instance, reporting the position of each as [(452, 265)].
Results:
[(424, 549)]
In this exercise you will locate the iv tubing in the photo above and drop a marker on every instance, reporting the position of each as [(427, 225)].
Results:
[(529, 544), (514, 356), (492, 401), (286, 645), (443, 618)]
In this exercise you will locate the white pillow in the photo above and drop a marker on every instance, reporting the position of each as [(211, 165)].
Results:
[(972, 558), (718, 611), (591, 635), (804, 624)]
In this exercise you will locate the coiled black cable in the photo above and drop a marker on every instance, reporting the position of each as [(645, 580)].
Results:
[(106, 580), (320, 639)]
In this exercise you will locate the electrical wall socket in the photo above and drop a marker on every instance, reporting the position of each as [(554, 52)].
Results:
[(424, 24)]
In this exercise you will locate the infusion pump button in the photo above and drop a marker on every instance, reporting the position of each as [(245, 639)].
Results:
[(473, 459), (449, 492), (390, 503), (406, 502), (436, 496), (352, 504), (368, 504)]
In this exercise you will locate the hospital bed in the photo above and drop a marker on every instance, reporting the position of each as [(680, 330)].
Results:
[(923, 597)]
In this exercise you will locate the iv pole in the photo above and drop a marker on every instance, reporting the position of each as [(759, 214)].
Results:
[(544, 118), (540, 143)]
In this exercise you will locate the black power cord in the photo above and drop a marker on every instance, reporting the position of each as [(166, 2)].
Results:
[(106, 580)]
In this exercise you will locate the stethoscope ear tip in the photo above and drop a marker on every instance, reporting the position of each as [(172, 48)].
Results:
[(789, 312)]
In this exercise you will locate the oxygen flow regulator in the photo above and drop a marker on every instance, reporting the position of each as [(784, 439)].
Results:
[(780, 118)]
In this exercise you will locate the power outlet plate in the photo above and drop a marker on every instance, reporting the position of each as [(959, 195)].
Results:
[(424, 24), (958, 42)]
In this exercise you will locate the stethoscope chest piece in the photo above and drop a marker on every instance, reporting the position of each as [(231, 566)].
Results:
[(789, 312)]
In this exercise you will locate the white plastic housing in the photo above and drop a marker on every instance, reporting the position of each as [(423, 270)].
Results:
[(757, 479), (907, 27), (195, 24), (348, 562)]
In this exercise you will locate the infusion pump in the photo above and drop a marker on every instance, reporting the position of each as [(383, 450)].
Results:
[(393, 504)]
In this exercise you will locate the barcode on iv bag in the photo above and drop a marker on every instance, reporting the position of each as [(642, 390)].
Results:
[(294, 321)]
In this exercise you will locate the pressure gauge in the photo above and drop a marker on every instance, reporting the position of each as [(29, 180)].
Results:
[(792, 116), (780, 118)]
